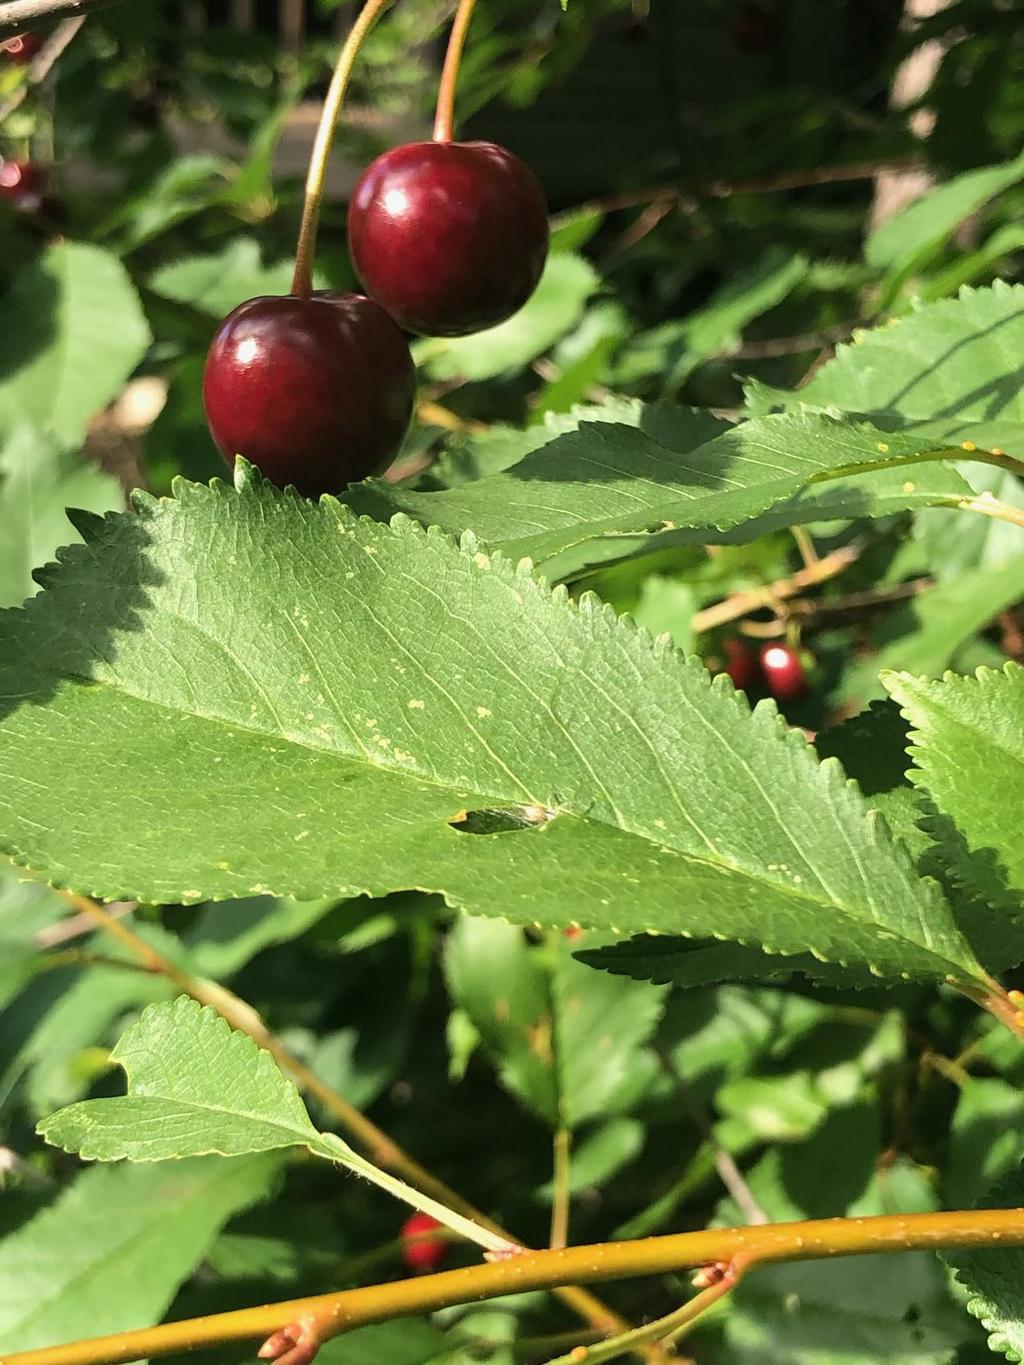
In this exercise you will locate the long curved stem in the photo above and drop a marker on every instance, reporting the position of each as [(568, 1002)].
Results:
[(444, 119), (327, 1315), (302, 282)]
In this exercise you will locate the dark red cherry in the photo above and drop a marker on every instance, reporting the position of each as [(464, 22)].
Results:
[(783, 672), (22, 183), (22, 48), (423, 1246), (315, 392), (741, 664), (449, 237)]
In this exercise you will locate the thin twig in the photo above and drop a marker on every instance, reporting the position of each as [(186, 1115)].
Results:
[(667, 1329), (18, 15), (42, 63), (561, 1147), (742, 603), (76, 926), (804, 542), (728, 1172), (773, 347), (854, 603), (725, 189), (381, 1149), (326, 1315)]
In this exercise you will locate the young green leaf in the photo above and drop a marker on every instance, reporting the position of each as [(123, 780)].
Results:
[(567, 1041), (26, 908), (322, 705), (197, 1087), (908, 239), (923, 636), (220, 281), (968, 744), (109, 1255), (71, 332)]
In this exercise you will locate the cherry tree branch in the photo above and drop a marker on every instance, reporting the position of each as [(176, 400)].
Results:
[(319, 1318), (742, 603), (18, 15)]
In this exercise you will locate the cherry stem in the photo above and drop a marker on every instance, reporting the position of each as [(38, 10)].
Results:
[(302, 281), (445, 116)]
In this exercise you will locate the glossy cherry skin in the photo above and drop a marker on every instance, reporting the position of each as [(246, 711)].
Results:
[(22, 48), (449, 237), (783, 672), (22, 183), (315, 392), (420, 1250), (741, 664)]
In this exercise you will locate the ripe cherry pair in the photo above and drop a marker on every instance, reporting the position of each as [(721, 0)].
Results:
[(447, 238)]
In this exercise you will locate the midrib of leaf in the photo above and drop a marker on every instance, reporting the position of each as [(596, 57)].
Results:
[(830, 904), (720, 864), (976, 456), (296, 1136)]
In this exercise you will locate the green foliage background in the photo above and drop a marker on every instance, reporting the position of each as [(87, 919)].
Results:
[(373, 775)]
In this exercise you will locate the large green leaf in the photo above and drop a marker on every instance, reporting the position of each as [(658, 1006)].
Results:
[(71, 332), (37, 482), (316, 702), (566, 1040), (968, 744), (994, 1277), (877, 493), (605, 480), (109, 1255), (952, 367)]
